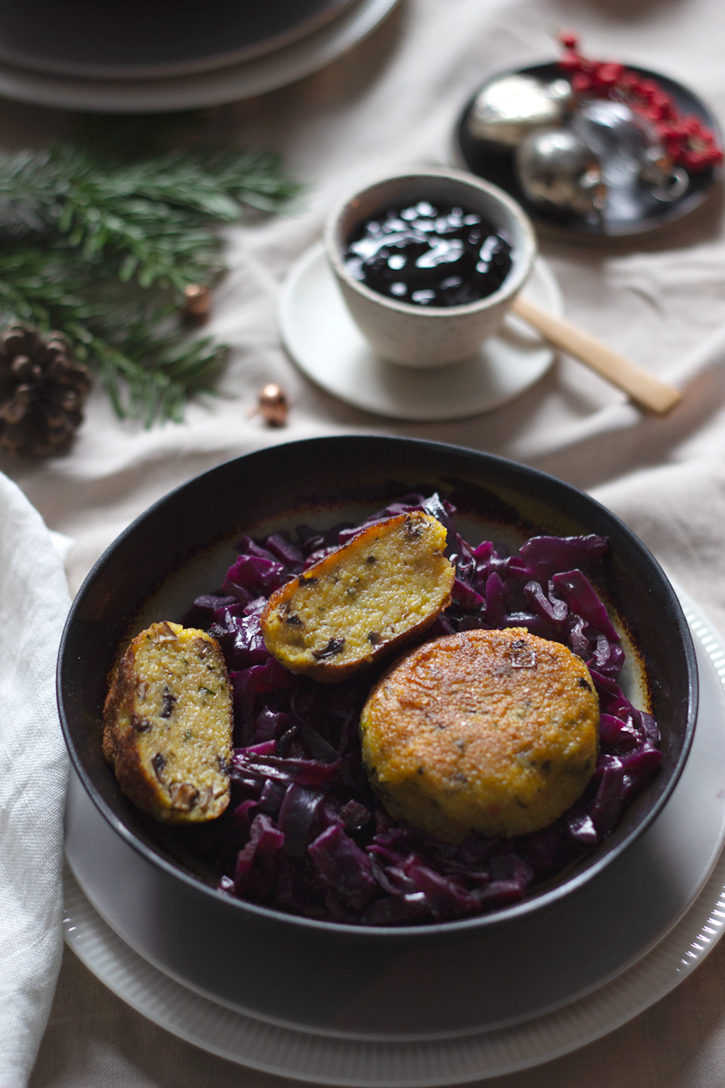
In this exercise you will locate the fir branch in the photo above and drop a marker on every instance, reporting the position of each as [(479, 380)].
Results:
[(155, 213), (102, 249), (180, 368), (148, 365), (43, 288)]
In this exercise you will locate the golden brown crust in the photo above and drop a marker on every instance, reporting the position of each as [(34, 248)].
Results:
[(487, 731), (385, 586), (168, 724)]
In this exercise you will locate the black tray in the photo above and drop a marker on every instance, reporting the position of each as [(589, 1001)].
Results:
[(490, 162)]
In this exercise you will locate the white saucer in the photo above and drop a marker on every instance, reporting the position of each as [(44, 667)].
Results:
[(326, 344), (685, 842), (204, 88)]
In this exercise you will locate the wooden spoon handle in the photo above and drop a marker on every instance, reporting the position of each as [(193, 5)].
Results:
[(642, 387)]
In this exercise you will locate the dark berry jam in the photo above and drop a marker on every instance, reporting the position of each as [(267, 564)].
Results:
[(429, 256)]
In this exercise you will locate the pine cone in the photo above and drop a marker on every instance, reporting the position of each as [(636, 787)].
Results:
[(42, 392)]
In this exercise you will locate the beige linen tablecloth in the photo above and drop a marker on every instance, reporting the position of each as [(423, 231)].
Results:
[(661, 300)]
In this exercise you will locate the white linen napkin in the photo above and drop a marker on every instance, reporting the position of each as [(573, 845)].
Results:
[(34, 601)]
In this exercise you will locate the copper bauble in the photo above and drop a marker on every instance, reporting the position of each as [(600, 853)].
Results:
[(273, 405)]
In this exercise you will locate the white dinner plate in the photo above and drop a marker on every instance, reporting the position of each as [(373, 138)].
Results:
[(204, 88), (685, 842), (324, 341)]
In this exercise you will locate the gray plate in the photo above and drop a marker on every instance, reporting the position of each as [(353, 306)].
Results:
[(132, 39)]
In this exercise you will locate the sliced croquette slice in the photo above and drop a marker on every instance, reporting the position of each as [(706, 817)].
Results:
[(362, 601), (168, 724), (488, 731)]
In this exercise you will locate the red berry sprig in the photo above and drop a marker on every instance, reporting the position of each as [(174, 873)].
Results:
[(686, 140)]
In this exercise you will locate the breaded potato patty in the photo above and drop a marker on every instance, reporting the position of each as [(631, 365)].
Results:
[(363, 600), (168, 724), (487, 731)]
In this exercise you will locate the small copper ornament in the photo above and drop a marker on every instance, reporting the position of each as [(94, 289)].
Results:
[(198, 303), (273, 405)]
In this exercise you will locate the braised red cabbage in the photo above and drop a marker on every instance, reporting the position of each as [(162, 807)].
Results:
[(304, 832)]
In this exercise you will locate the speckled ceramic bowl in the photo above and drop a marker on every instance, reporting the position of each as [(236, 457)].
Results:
[(429, 336)]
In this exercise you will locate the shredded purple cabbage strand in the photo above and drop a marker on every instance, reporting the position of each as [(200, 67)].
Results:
[(305, 834)]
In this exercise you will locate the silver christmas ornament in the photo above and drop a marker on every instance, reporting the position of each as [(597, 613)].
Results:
[(666, 181), (631, 155), (557, 169), (505, 110), (617, 135)]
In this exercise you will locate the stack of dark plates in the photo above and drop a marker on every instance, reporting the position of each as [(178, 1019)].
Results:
[(127, 55)]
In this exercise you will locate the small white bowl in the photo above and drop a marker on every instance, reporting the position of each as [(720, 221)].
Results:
[(429, 336)]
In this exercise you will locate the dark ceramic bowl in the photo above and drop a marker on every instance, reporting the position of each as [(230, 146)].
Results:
[(325, 977)]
